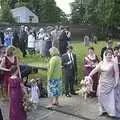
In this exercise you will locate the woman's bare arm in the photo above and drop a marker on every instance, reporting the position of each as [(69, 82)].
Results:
[(2, 65), (18, 66), (95, 70), (116, 69)]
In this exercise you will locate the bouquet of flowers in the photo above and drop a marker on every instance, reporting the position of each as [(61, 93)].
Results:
[(89, 84), (26, 103)]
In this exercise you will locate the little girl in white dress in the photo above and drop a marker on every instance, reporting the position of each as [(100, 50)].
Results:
[(34, 93)]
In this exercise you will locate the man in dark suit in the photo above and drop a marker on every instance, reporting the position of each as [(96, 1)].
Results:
[(70, 71), (2, 36), (23, 37), (108, 46), (63, 42)]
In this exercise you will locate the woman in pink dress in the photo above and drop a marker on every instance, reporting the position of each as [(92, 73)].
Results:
[(9, 60), (117, 89), (16, 94), (90, 62), (109, 80)]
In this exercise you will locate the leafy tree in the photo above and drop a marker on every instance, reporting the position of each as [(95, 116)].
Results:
[(6, 15), (78, 12), (104, 13), (46, 10)]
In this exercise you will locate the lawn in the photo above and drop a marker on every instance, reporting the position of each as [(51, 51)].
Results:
[(80, 51)]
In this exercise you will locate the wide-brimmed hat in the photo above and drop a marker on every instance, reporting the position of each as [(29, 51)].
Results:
[(109, 41), (49, 28), (8, 29), (32, 80), (54, 51)]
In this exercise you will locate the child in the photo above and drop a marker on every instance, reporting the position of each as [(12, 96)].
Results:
[(34, 93), (16, 93), (43, 91)]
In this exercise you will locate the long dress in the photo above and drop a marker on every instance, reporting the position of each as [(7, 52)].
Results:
[(55, 38), (106, 89), (86, 41), (1, 116), (48, 45), (16, 101), (34, 94), (7, 74), (63, 43), (41, 44), (88, 68), (117, 93)]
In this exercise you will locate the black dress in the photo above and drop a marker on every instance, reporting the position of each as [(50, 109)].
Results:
[(1, 116), (63, 43)]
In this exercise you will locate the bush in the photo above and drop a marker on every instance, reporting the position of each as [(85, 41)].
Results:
[(6, 15)]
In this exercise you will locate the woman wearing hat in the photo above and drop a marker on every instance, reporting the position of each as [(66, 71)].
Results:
[(54, 77), (40, 45)]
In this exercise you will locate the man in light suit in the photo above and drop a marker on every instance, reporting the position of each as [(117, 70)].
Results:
[(70, 71)]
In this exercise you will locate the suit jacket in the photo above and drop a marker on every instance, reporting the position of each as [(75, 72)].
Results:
[(2, 37), (69, 67)]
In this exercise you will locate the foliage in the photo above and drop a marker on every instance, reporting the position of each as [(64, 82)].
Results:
[(6, 15), (46, 10), (78, 12), (97, 12)]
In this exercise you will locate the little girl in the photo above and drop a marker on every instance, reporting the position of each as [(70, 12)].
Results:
[(34, 93), (16, 93)]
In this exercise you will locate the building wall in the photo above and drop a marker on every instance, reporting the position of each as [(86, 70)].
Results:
[(23, 15)]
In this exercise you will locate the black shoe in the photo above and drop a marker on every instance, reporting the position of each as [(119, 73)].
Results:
[(74, 93), (103, 114), (68, 95)]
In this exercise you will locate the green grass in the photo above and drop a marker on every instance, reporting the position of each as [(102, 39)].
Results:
[(79, 49)]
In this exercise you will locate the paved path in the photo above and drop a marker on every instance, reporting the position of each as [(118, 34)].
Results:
[(74, 108), (77, 107)]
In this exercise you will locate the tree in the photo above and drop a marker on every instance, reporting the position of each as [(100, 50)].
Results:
[(105, 12), (6, 15), (46, 10), (78, 12)]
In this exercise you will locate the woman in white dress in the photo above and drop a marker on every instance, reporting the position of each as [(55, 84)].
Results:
[(31, 43), (34, 93), (109, 76), (41, 42), (117, 89)]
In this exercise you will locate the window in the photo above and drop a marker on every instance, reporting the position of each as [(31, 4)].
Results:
[(17, 18), (31, 18)]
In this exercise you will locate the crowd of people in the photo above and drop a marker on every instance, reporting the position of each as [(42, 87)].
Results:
[(32, 40), (105, 78), (62, 66), (13, 88)]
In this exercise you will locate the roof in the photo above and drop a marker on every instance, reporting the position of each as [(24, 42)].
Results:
[(23, 15), (24, 10)]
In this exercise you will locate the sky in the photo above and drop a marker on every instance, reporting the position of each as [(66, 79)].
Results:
[(64, 5)]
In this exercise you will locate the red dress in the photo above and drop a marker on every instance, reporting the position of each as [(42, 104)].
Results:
[(16, 100), (88, 69), (8, 65)]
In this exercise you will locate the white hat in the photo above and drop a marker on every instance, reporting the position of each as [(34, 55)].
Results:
[(9, 29), (41, 30)]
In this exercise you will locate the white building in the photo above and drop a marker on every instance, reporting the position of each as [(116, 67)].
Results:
[(24, 15)]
